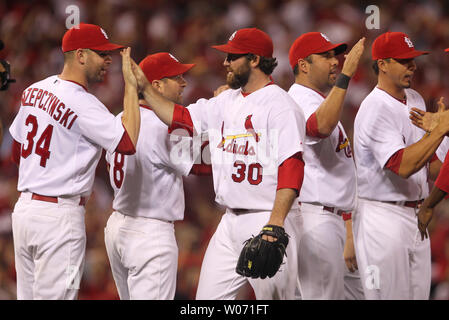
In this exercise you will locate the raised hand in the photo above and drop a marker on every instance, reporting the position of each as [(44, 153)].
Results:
[(428, 121), (142, 81), (353, 57), (128, 74)]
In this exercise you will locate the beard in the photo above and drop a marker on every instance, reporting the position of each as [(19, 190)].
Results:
[(239, 78)]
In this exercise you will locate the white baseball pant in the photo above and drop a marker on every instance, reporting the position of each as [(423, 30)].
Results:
[(322, 270), (143, 255), (218, 278), (49, 247), (393, 261)]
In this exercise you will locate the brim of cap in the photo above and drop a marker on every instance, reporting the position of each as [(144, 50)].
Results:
[(107, 47), (409, 55), (229, 49), (181, 68), (338, 48)]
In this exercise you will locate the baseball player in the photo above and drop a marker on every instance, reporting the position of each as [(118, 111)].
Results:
[(428, 121), (392, 159), (439, 192), (59, 132), (328, 195), (255, 132), (148, 195)]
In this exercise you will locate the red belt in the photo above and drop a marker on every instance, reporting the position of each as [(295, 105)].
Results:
[(332, 209), (410, 204), (39, 197)]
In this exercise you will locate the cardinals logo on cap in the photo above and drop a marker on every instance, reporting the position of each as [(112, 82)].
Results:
[(104, 33), (325, 37), (408, 42), (173, 57), (232, 36)]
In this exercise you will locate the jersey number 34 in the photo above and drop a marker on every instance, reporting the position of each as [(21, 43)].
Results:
[(43, 143)]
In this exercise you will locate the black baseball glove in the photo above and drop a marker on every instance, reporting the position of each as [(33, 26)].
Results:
[(261, 258)]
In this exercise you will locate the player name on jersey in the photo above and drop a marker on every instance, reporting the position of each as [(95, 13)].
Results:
[(50, 103)]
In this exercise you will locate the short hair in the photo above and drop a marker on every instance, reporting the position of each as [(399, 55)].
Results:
[(68, 56), (296, 68), (267, 65), (376, 67)]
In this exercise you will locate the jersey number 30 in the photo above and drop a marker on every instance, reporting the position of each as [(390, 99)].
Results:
[(43, 143), (254, 174)]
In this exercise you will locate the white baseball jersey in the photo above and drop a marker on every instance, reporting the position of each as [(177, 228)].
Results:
[(443, 149), (62, 129), (149, 183), (249, 138), (382, 127), (329, 173)]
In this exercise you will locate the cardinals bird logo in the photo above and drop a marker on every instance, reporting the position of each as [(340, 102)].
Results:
[(343, 144), (250, 128)]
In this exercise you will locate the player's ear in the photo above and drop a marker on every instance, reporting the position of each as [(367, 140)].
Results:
[(81, 56), (303, 66), (254, 60), (382, 65), (158, 85)]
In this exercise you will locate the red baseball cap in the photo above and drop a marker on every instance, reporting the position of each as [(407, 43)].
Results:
[(248, 40), (446, 50), (310, 43), (394, 45), (87, 36), (162, 65)]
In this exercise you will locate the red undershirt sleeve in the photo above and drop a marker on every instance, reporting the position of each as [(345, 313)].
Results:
[(442, 181), (394, 162), (125, 145), (312, 127), (291, 173), (181, 120)]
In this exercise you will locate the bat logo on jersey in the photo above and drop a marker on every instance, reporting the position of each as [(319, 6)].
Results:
[(343, 144), (223, 140), (250, 132)]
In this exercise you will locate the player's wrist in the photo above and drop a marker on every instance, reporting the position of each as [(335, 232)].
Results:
[(342, 81)]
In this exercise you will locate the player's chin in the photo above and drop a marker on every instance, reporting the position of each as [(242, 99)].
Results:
[(232, 82), (178, 99), (407, 83)]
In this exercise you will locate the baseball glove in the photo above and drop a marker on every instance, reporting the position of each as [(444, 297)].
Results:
[(261, 258)]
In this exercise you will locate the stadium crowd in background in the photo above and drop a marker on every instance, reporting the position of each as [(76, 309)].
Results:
[(32, 33)]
